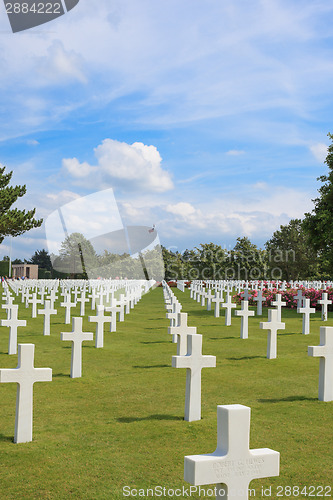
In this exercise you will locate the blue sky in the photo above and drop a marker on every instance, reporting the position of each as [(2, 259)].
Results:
[(208, 119)]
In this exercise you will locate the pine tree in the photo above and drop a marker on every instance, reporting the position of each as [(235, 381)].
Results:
[(13, 222)]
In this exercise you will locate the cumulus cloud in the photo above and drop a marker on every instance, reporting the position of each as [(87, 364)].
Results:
[(61, 66), (319, 151), (132, 166)]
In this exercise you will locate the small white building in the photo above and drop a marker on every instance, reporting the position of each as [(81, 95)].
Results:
[(25, 270)]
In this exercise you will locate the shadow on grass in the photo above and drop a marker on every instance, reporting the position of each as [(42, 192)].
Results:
[(129, 420), (60, 375), (246, 357), (157, 342), (6, 438), (152, 366), (287, 399), (223, 338), (298, 333)]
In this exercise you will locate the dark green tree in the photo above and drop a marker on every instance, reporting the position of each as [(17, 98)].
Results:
[(14, 222), (319, 223), (289, 254), (42, 259), (246, 260), (77, 256)]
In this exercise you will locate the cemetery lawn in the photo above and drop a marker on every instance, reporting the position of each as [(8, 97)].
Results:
[(121, 424)]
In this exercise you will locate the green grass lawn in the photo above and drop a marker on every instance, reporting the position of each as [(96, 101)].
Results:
[(121, 424)]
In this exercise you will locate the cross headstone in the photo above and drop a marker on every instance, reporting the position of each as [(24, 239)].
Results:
[(218, 299), (228, 306), (182, 331), (279, 304), (306, 310), (82, 300), (209, 296), (260, 299), (232, 466), (324, 303), (100, 319), (244, 313), (194, 361), (113, 309), (77, 336), (8, 306), (325, 352), (273, 325), (246, 294), (68, 305), (299, 298), (34, 301), (47, 312), (25, 375), (13, 323)]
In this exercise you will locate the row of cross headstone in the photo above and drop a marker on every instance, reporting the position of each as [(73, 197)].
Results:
[(25, 375), (274, 324), (239, 285), (231, 465)]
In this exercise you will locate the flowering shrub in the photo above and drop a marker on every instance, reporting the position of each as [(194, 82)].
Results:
[(288, 296)]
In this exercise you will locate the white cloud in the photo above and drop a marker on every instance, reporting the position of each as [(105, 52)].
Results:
[(235, 152), (119, 164), (61, 66), (319, 151)]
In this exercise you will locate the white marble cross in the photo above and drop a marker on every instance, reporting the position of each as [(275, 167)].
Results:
[(209, 296), (13, 323), (218, 299), (246, 294), (324, 303), (52, 297), (228, 306), (25, 375), (173, 316), (100, 319), (194, 361), (279, 304), (77, 336), (306, 310), (113, 310), (299, 298), (82, 300), (232, 466), (47, 312), (8, 306), (244, 313), (273, 325), (68, 305), (182, 331), (34, 301), (325, 352), (260, 299)]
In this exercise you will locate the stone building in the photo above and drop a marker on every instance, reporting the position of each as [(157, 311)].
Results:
[(25, 270)]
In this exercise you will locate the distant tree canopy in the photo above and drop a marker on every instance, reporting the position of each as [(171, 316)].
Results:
[(319, 223), (289, 250), (42, 259), (13, 222)]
